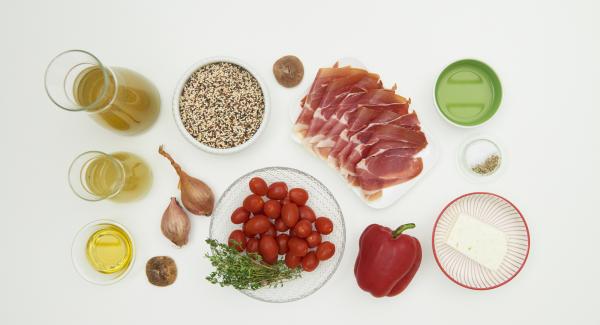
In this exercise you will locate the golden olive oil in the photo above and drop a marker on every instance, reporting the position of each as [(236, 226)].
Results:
[(121, 176), (109, 250), (130, 103)]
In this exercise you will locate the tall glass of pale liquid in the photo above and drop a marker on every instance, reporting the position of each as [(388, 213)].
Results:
[(117, 98), (120, 176)]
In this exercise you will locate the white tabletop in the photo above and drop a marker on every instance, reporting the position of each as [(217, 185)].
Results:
[(547, 56)]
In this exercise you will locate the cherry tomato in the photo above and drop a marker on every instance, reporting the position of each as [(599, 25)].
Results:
[(280, 225), (314, 239), (285, 200), (246, 233), (239, 216), (271, 231), (277, 191), (303, 228), (253, 203), (307, 213), (272, 209), (258, 186), (310, 262), (289, 214), (297, 246), (282, 241), (268, 248), (252, 245), (237, 240), (324, 225), (292, 261), (298, 196), (256, 225), (325, 250)]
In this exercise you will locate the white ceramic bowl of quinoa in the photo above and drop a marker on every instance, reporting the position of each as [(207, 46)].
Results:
[(181, 124)]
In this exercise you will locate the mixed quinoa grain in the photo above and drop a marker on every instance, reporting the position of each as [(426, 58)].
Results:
[(222, 105)]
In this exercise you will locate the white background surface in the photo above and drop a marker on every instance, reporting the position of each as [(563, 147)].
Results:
[(547, 55)]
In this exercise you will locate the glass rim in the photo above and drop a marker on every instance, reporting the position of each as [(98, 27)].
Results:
[(100, 222), (105, 71), (121, 181)]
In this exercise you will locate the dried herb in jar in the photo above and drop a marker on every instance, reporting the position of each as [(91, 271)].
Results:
[(487, 167)]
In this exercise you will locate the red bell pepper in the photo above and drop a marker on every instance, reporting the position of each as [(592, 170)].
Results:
[(387, 260)]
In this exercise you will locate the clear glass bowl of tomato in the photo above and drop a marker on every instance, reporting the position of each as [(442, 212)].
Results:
[(320, 200)]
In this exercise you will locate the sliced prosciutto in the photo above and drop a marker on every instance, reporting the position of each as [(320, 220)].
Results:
[(352, 121), (366, 132), (317, 92), (381, 148), (397, 123), (368, 110), (394, 136), (341, 95), (385, 170)]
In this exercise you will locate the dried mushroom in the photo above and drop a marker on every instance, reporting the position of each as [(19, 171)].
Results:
[(161, 271), (288, 71)]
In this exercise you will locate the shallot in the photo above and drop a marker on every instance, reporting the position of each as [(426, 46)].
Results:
[(196, 196), (175, 224)]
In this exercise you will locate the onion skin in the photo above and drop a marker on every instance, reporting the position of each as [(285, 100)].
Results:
[(196, 196), (175, 224)]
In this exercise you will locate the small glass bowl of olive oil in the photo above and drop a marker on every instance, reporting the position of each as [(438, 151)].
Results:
[(103, 252)]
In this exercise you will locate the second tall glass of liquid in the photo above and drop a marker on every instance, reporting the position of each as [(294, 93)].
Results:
[(120, 176), (117, 98)]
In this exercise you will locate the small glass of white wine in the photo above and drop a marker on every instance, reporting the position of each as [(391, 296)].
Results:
[(103, 252), (120, 176)]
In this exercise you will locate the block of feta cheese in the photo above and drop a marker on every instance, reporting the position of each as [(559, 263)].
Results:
[(479, 241)]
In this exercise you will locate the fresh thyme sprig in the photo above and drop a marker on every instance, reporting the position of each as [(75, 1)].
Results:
[(245, 271)]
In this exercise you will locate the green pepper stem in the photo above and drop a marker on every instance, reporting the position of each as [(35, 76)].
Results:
[(400, 229)]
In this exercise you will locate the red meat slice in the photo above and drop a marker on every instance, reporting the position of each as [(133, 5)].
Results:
[(316, 94), (341, 93), (362, 129), (375, 107), (388, 169), (381, 148), (402, 129), (351, 122), (313, 98), (392, 147)]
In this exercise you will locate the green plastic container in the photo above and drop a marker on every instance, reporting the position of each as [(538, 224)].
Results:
[(468, 93)]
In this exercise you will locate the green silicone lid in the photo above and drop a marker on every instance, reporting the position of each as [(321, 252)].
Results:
[(468, 92)]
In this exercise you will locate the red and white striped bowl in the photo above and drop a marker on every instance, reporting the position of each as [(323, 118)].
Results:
[(496, 211)]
